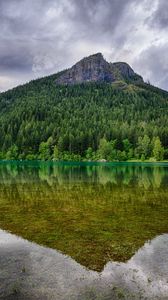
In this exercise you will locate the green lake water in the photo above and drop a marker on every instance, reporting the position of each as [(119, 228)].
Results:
[(92, 212)]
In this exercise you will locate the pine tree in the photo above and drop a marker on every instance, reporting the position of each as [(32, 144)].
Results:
[(158, 150)]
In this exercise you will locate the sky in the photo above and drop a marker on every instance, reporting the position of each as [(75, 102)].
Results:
[(42, 37)]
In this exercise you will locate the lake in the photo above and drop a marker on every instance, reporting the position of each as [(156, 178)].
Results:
[(93, 212)]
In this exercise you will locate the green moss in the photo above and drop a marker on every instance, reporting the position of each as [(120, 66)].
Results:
[(93, 213)]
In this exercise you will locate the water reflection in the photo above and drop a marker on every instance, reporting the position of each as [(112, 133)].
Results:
[(143, 175), (29, 271), (79, 208)]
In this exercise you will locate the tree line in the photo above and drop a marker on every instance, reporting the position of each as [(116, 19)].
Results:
[(42, 120)]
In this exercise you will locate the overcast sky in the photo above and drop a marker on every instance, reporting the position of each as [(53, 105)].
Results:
[(41, 37)]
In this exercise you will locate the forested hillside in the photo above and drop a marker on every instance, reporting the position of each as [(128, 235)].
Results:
[(92, 121)]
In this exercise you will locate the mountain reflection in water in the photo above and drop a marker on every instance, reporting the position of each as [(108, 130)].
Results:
[(93, 212)]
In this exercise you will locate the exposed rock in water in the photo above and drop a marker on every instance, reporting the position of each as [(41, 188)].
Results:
[(96, 69)]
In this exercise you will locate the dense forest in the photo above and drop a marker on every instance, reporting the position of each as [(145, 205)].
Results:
[(91, 121)]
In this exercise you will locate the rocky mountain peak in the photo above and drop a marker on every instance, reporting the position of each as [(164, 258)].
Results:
[(95, 68), (98, 55), (124, 69)]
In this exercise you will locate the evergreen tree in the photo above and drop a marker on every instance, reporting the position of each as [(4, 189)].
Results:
[(56, 153), (44, 151), (12, 153), (158, 150), (116, 123)]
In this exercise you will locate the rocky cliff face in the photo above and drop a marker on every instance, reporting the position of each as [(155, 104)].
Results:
[(124, 69), (96, 68)]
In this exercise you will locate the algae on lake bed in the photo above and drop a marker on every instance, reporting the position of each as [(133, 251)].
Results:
[(94, 213)]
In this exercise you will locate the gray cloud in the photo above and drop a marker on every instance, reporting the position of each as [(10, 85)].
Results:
[(160, 16), (99, 15), (155, 58), (14, 58), (42, 37)]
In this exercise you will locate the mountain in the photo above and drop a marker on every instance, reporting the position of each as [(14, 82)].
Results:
[(96, 68), (93, 111)]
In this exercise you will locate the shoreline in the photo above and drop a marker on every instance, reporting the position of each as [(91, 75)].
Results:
[(101, 162)]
